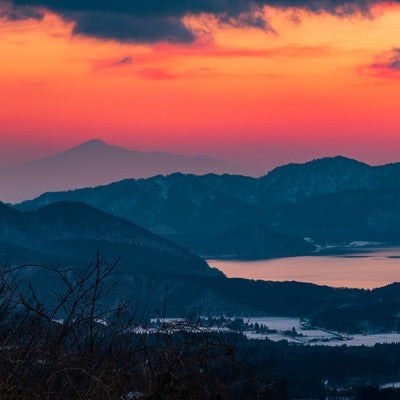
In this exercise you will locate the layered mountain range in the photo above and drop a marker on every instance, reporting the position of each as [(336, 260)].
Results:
[(95, 163), (335, 200), (330, 200)]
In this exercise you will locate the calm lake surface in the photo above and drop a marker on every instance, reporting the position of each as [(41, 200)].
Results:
[(365, 268)]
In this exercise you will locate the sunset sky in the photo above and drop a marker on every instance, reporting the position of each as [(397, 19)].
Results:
[(247, 81)]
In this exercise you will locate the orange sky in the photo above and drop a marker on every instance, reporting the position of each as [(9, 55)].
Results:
[(321, 85)]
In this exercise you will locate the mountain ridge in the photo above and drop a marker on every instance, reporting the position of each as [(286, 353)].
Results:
[(94, 163), (71, 232), (291, 199)]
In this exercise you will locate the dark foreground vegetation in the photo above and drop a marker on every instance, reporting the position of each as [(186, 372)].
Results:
[(74, 346)]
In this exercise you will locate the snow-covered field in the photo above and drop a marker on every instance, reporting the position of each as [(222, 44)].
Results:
[(314, 336), (294, 330)]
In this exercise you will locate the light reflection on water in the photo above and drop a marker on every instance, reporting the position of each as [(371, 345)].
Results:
[(371, 269)]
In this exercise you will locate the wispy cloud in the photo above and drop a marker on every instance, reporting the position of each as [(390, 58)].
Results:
[(162, 52), (113, 63), (147, 65), (385, 65)]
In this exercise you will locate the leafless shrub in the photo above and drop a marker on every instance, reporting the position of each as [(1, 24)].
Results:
[(76, 347)]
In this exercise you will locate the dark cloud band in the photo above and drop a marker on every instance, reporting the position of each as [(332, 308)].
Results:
[(149, 21), (126, 28)]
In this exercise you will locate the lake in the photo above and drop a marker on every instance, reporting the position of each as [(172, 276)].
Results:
[(366, 268)]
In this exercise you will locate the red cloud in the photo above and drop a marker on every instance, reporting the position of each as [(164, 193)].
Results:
[(387, 65)]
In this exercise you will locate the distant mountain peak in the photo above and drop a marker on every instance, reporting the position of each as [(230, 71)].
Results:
[(339, 158), (95, 162), (94, 142), (324, 162), (92, 145)]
